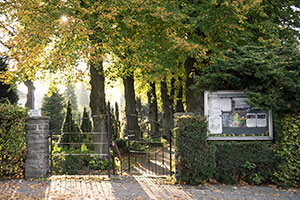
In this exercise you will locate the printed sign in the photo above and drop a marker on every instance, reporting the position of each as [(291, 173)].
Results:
[(35, 113), (231, 117)]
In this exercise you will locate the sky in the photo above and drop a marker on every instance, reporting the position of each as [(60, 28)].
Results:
[(114, 92)]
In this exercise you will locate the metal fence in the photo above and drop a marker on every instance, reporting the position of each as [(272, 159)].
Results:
[(94, 153), (81, 153)]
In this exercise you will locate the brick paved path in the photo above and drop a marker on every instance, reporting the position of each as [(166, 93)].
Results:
[(133, 187)]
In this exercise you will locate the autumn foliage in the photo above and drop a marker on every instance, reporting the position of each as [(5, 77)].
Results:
[(12, 141)]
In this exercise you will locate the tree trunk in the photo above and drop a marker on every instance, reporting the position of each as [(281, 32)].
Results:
[(167, 110), (179, 104), (98, 108), (130, 108), (30, 94), (193, 103), (153, 112)]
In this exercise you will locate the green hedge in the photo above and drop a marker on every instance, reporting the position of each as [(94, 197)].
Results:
[(288, 148), (12, 141), (253, 162), (195, 157), (232, 162)]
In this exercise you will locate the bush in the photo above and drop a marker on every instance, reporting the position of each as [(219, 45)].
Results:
[(288, 149), (253, 162), (196, 157), (12, 141), (78, 161)]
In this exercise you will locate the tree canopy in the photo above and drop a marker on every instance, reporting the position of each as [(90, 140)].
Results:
[(270, 75), (7, 91), (153, 39)]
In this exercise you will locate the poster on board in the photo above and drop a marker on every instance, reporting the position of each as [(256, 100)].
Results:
[(230, 117)]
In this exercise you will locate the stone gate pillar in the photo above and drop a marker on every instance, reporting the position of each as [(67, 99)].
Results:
[(37, 141)]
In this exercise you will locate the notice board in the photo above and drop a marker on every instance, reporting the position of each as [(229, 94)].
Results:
[(230, 117)]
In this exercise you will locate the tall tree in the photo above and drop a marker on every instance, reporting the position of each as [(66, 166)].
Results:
[(70, 128), (117, 122), (54, 36), (86, 124), (153, 110), (71, 96), (179, 98), (168, 123), (53, 106), (130, 108), (270, 75), (6, 91)]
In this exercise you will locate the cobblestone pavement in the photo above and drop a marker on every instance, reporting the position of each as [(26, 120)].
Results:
[(133, 187)]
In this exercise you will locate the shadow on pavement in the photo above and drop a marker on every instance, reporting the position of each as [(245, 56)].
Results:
[(22, 189)]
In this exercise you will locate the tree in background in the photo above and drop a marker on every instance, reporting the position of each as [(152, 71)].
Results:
[(6, 91), (83, 95), (70, 95), (70, 128), (86, 127), (153, 110), (117, 117), (86, 124), (53, 106), (270, 75), (114, 121)]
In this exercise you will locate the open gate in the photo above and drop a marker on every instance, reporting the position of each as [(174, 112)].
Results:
[(148, 156), (155, 159)]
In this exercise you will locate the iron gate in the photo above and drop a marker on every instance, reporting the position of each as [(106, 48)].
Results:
[(149, 156), (154, 159)]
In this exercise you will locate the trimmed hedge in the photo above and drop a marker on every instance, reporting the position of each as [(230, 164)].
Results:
[(253, 162), (195, 156), (12, 141), (288, 148)]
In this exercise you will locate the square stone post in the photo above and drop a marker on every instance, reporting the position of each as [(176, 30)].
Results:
[(37, 149)]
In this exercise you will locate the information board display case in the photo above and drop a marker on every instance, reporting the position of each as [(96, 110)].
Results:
[(230, 117)]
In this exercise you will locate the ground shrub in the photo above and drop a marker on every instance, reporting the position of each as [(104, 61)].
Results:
[(195, 156), (12, 141), (253, 162), (288, 149), (78, 161)]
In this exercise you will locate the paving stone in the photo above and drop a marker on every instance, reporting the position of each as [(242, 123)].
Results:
[(129, 187)]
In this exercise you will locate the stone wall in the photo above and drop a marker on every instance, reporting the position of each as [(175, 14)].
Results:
[(37, 140)]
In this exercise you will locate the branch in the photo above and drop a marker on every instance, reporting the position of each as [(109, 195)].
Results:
[(5, 45), (11, 33)]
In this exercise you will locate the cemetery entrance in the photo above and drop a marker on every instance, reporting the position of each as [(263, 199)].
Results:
[(98, 153)]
